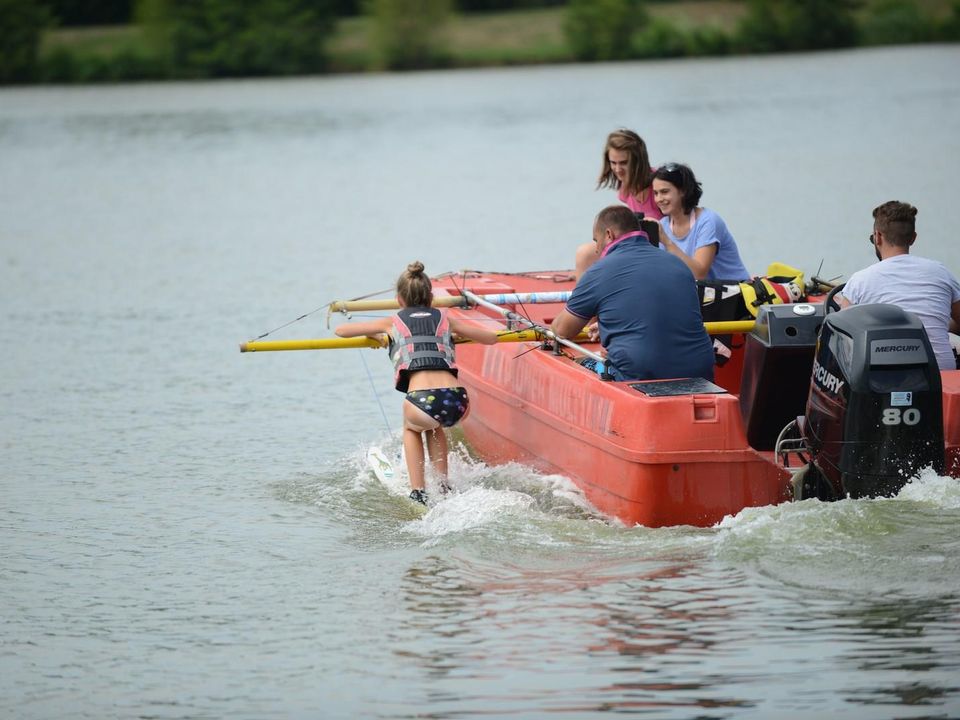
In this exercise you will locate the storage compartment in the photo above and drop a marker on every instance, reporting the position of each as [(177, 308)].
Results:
[(777, 364)]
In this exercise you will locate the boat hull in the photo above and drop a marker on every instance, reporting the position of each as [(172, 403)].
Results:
[(638, 455), (645, 461)]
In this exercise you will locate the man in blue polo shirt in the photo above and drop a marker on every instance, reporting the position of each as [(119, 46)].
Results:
[(645, 302)]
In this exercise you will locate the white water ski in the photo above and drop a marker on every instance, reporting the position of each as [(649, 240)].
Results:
[(393, 478), (380, 465)]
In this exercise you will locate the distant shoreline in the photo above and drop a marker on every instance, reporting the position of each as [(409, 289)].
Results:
[(685, 28)]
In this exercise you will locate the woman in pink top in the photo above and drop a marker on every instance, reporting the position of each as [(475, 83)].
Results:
[(626, 169)]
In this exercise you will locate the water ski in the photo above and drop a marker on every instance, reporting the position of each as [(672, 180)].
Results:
[(381, 466), (393, 479)]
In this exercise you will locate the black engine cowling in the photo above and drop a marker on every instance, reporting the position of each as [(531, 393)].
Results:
[(874, 415)]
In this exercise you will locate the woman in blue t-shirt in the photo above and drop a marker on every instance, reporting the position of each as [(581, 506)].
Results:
[(696, 235)]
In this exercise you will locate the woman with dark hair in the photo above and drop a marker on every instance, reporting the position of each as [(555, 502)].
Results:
[(626, 169), (696, 235)]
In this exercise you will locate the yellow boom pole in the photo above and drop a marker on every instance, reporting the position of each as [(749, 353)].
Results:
[(361, 342), (532, 298), (713, 328), (311, 344), (728, 327)]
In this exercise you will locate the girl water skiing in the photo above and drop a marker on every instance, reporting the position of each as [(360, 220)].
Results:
[(421, 348)]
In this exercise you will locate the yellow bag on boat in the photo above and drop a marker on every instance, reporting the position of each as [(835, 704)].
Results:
[(781, 284)]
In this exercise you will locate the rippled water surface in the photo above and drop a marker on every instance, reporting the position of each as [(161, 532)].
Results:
[(188, 532)]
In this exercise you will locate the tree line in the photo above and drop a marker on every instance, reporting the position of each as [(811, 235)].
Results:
[(226, 38), (80, 13)]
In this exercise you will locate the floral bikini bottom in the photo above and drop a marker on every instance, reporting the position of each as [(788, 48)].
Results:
[(445, 405)]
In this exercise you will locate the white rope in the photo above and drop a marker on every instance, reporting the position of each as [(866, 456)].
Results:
[(373, 387)]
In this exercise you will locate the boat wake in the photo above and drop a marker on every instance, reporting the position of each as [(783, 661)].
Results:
[(481, 495), (927, 491), (815, 544), (937, 491), (473, 507), (495, 501), (510, 510)]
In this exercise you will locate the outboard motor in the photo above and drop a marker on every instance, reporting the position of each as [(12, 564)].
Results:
[(874, 415)]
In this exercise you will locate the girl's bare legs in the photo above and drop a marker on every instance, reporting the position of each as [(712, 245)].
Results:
[(415, 422), (437, 448), (413, 450)]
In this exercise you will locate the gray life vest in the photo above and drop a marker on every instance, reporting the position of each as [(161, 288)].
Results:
[(420, 339)]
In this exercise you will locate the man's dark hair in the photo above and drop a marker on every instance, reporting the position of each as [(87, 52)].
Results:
[(618, 218), (897, 221)]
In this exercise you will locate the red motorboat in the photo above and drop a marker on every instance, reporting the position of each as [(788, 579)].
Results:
[(672, 452)]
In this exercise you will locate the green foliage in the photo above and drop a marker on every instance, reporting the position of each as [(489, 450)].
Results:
[(498, 5), (206, 38), (949, 29), (603, 29), (660, 39), (823, 23), (777, 25), (409, 34), (761, 31), (223, 38), (709, 41), (21, 24), (70, 13), (69, 65), (892, 22), (156, 25)]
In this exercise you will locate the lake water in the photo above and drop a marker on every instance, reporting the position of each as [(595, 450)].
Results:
[(188, 532)]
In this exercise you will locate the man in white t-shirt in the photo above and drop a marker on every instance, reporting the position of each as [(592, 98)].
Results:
[(918, 285)]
